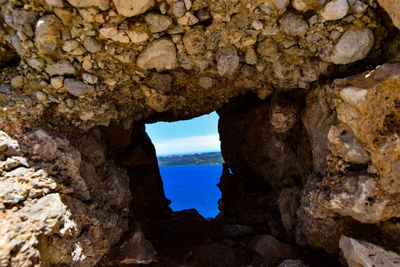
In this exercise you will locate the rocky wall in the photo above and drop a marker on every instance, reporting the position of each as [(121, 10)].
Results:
[(85, 63), (311, 173)]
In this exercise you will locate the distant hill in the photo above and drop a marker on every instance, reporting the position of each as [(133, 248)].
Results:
[(213, 158)]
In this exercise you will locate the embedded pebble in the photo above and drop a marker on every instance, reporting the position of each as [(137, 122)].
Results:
[(17, 81), (294, 25), (92, 45), (130, 8), (352, 46), (41, 96), (160, 54), (102, 4), (228, 61), (334, 10), (158, 23), (160, 82), (60, 68), (77, 88), (178, 8), (47, 33), (57, 82), (188, 19), (206, 82), (194, 41), (55, 3), (89, 78)]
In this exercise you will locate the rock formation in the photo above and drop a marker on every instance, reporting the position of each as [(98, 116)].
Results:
[(309, 103)]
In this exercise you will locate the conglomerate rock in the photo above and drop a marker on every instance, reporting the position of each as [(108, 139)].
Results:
[(212, 50), (310, 157)]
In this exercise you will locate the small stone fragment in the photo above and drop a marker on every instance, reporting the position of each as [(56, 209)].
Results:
[(47, 33), (160, 82), (55, 3), (130, 8), (257, 25), (294, 25), (102, 4), (78, 88), (178, 8), (206, 82), (89, 78), (62, 67), (138, 37), (57, 82), (194, 42), (251, 56), (352, 46), (228, 61), (41, 96), (188, 19), (161, 54), (17, 81), (188, 4), (360, 253), (158, 23), (21, 20), (334, 10), (92, 45)]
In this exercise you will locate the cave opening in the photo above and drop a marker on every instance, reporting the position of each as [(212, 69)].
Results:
[(190, 162)]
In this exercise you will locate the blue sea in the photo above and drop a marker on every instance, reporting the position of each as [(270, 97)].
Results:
[(191, 187)]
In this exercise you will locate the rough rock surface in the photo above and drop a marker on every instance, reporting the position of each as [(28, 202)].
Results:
[(308, 97), (242, 46), (360, 253)]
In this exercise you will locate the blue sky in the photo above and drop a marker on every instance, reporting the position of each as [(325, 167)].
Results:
[(185, 137)]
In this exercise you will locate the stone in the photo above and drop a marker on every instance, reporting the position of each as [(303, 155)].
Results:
[(61, 67), (130, 8), (354, 45), (160, 54), (228, 61), (47, 33), (137, 250), (158, 23), (292, 263), (138, 37), (160, 82), (90, 78), (188, 19), (334, 10), (21, 20), (194, 42), (92, 45), (17, 81), (392, 7), (270, 249), (102, 4), (360, 253), (178, 8), (206, 82), (77, 88), (344, 144), (294, 25), (57, 82), (41, 96), (55, 3), (358, 6), (115, 34), (8, 146)]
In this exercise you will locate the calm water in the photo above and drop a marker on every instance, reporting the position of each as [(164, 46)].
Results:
[(193, 187)]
